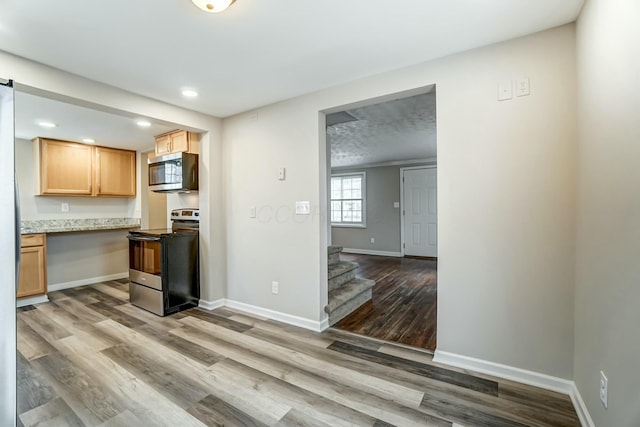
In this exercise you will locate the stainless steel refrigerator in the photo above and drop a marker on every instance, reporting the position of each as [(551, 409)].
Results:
[(9, 253)]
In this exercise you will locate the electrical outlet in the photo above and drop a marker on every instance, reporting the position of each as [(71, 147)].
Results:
[(522, 86), (604, 389), (373, 240), (64, 207), (274, 288)]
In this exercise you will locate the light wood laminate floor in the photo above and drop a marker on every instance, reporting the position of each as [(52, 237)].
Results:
[(89, 358)]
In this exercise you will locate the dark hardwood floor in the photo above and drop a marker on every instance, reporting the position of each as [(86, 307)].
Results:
[(89, 358), (403, 308)]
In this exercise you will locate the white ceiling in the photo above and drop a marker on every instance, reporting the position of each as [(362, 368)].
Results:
[(75, 123), (259, 51), (399, 130)]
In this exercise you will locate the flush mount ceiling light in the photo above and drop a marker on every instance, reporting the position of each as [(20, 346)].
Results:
[(189, 93), (143, 124), (88, 140), (47, 124), (213, 6)]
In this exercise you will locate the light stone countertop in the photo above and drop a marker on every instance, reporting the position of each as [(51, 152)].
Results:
[(69, 225)]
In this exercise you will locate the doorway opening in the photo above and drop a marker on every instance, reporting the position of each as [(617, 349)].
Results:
[(382, 202)]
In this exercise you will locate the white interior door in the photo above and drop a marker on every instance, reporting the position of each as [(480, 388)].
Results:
[(420, 209)]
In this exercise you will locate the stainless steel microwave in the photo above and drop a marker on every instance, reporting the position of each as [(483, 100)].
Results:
[(173, 173)]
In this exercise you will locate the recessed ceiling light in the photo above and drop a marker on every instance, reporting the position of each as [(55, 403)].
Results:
[(143, 123), (213, 6), (189, 93), (47, 124), (88, 140)]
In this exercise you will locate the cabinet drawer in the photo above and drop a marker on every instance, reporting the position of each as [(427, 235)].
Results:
[(28, 240)]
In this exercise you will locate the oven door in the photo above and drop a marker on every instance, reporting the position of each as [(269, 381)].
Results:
[(145, 260)]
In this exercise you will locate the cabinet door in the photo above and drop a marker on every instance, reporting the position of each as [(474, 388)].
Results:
[(115, 172), (163, 145), (66, 168), (179, 141), (33, 279)]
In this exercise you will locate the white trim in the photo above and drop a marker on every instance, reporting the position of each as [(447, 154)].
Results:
[(581, 408), (324, 324), (267, 313), (371, 252), (430, 161), (23, 302), (522, 376), (363, 191), (212, 305), (88, 281), (507, 372)]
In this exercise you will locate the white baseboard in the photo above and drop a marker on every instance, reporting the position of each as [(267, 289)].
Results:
[(523, 376), (23, 302), (265, 312), (212, 305), (581, 408), (88, 281), (371, 252), (507, 372)]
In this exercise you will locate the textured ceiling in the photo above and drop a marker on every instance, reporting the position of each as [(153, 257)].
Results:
[(399, 130), (259, 51)]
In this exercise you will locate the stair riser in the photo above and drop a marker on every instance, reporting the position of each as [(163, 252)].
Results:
[(340, 280), (349, 307), (334, 258)]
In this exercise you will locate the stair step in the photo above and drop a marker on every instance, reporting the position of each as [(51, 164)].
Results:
[(349, 297), (342, 267), (341, 273), (334, 249), (334, 258)]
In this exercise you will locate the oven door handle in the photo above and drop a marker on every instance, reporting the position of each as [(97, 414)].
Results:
[(144, 239)]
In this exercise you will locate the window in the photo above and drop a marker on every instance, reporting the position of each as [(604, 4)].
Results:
[(348, 193)]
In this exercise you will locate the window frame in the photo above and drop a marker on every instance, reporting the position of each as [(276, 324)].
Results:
[(363, 176)]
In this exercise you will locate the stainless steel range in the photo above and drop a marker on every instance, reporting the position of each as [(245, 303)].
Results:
[(163, 265)]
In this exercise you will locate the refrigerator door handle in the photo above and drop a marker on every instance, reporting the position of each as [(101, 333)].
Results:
[(18, 231)]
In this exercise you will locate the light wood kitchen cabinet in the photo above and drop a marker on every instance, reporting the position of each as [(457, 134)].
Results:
[(66, 168), (33, 266), (115, 172), (72, 169), (177, 142)]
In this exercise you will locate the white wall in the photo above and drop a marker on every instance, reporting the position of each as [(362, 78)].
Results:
[(42, 80), (506, 200), (608, 227), (73, 257)]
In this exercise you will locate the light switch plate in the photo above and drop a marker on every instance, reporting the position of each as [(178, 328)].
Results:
[(303, 208), (505, 90), (252, 212), (282, 174), (396, 205)]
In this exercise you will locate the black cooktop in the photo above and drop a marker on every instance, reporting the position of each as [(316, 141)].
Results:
[(160, 231)]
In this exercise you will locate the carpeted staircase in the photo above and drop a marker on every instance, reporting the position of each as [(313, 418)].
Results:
[(346, 291)]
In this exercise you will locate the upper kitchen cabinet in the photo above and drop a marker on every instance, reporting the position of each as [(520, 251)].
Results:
[(73, 169), (115, 172), (66, 168), (176, 142)]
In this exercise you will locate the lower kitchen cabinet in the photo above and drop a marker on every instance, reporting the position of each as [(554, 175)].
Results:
[(33, 265)]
